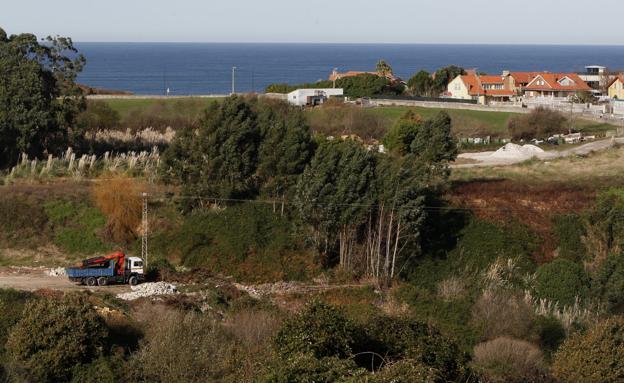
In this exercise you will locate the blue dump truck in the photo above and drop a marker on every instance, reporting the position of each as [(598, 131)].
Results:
[(111, 269)]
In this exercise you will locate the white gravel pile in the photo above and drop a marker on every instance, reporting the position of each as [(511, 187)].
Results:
[(148, 290), (514, 151), (58, 272)]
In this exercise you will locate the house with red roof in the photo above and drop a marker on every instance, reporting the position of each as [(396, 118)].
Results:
[(555, 85), (483, 88)]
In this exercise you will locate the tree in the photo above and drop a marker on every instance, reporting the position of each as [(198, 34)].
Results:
[(334, 195), (595, 356), (444, 76), (539, 123), (368, 85), (421, 84), (608, 282), (119, 199), (39, 98), (53, 336), (242, 147), (383, 68)]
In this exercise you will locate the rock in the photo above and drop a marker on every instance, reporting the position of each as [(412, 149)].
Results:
[(58, 272), (149, 289)]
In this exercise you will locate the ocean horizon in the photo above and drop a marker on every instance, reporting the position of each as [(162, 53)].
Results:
[(206, 68)]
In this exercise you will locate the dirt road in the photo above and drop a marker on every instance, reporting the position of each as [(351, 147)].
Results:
[(36, 279), (484, 159)]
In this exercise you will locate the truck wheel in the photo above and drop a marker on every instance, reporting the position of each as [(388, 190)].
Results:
[(101, 281), (91, 281), (133, 281)]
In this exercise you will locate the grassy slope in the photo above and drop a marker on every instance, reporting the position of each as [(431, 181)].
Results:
[(127, 106)]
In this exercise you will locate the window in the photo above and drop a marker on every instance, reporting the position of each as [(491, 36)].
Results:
[(138, 264)]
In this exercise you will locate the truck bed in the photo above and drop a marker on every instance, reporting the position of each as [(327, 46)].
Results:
[(75, 272)]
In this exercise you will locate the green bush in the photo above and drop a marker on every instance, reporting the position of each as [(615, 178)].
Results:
[(405, 371), (551, 333), (540, 123), (596, 356), (407, 339), (76, 226), (570, 231), (305, 368), (319, 330), (562, 281), (608, 282), (248, 241), (12, 304), (53, 336)]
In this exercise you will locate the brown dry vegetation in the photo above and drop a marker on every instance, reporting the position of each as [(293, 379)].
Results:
[(120, 201)]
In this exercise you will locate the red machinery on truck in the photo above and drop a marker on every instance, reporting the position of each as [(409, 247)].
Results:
[(113, 268)]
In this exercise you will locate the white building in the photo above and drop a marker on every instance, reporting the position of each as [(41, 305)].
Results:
[(313, 97)]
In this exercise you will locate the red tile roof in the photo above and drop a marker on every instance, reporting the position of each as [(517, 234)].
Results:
[(551, 82), (475, 85), (524, 77)]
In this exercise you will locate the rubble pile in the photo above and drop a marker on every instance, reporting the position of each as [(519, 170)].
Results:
[(148, 290), (58, 272)]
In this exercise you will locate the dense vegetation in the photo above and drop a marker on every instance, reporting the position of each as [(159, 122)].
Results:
[(403, 275)]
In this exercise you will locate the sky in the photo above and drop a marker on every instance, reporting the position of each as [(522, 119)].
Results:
[(322, 21)]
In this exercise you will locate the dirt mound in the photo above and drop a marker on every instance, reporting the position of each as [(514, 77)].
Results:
[(516, 152)]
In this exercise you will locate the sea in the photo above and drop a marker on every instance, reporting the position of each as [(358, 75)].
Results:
[(208, 68)]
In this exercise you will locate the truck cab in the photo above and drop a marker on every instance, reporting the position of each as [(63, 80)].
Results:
[(134, 265)]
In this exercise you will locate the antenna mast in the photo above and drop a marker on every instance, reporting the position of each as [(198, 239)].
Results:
[(144, 224)]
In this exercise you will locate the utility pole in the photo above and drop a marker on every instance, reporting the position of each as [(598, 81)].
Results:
[(144, 224), (233, 80)]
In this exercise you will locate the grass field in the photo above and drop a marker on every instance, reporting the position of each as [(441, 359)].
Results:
[(466, 123)]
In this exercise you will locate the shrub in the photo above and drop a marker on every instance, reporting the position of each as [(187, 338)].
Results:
[(508, 360), (319, 330), (98, 116), (501, 313), (402, 338), (551, 333), (608, 282), (570, 231), (539, 123), (605, 227), (12, 304), (181, 347), (55, 335), (596, 356), (404, 371), (120, 201), (305, 368), (562, 281)]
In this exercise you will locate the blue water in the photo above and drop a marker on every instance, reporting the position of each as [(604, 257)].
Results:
[(191, 69)]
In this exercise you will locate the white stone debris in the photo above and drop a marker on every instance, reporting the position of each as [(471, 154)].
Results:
[(57, 272), (148, 290)]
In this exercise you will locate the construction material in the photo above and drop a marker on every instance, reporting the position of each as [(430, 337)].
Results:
[(146, 290)]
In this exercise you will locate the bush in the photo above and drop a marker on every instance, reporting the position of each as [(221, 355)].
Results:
[(501, 313), (608, 283), (507, 360), (605, 227), (401, 338), (248, 241), (120, 201), (551, 333), (53, 336), (319, 330), (596, 356), (12, 304), (539, 123), (562, 281), (181, 347), (98, 116), (570, 231), (305, 368), (405, 371)]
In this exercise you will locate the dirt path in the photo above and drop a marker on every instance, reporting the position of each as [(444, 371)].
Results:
[(484, 159), (36, 279)]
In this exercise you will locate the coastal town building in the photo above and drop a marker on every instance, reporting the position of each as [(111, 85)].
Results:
[(555, 85), (313, 97), (597, 77), (485, 89), (616, 88)]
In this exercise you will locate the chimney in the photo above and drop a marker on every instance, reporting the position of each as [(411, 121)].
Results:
[(506, 73)]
